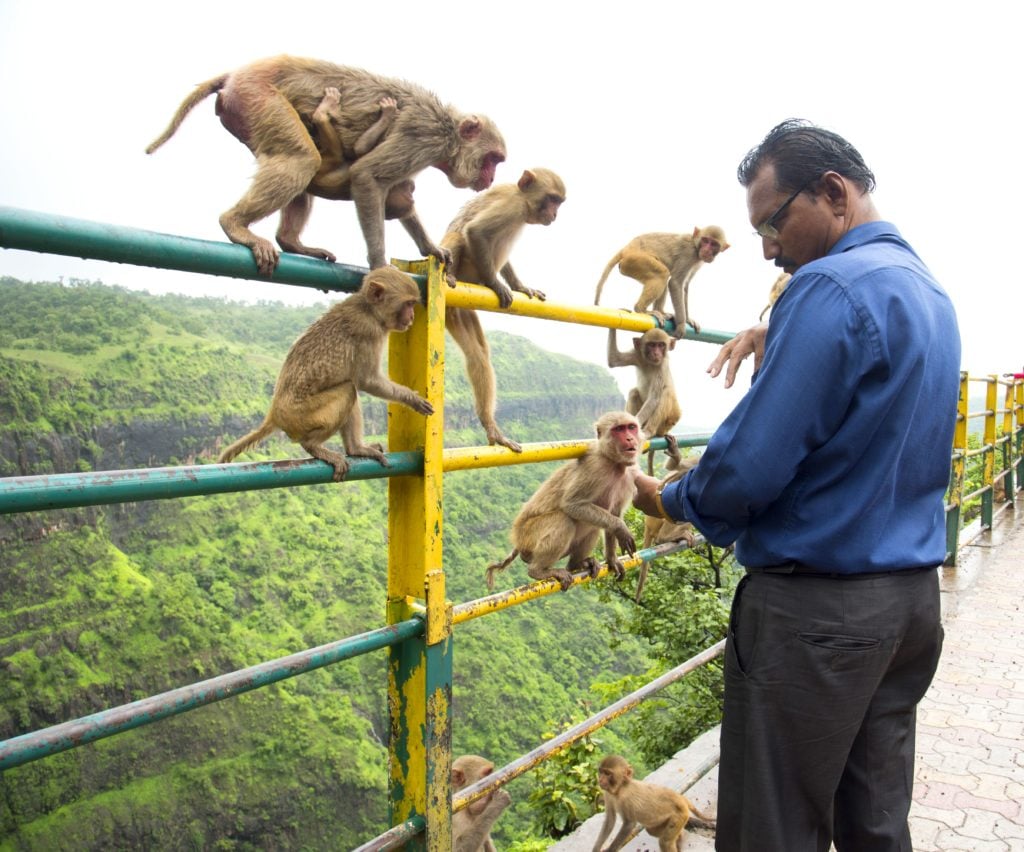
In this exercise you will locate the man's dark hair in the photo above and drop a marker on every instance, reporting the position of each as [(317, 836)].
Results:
[(802, 152)]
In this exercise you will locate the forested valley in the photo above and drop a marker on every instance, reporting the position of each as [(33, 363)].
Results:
[(103, 606)]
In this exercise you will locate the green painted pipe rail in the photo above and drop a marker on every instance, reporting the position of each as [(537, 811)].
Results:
[(66, 490), (53, 234), (106, 723)]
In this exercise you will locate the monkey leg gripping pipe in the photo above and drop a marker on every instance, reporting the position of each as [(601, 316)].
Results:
[(420, 669)]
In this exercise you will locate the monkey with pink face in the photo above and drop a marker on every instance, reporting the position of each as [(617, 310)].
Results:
[(567, 513)]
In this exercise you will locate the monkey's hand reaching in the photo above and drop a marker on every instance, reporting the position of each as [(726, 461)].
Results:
[(530, 293), (444, 256), (625, 538), (420, 405)]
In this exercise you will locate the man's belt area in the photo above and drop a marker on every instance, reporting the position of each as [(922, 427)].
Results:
[(800, 569)]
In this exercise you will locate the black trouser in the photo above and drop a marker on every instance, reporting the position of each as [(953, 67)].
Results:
[(822, 680)]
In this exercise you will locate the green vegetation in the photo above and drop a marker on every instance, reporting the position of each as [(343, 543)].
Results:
[(99, 607)]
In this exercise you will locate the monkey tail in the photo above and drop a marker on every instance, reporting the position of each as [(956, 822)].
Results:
[(499, 566), (701, 820), (604, 276), (247, 441), (203, 90)]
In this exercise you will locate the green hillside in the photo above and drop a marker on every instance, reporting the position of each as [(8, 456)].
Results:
[(102, 606)]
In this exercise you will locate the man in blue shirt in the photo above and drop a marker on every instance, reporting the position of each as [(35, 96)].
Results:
[(829, 476)]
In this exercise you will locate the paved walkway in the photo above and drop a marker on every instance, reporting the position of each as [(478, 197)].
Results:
[(969, 787)]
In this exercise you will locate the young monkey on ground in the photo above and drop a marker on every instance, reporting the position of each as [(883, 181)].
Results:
[(664, 813), (665, 264), (334, 160), (479, 240), (471, 827), (566, 514), (339, 355)]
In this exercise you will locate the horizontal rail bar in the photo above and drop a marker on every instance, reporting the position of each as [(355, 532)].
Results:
[(46, 232), (474, 458), (394, 837), (542, 588), (482, 298), (517, 767), (66, 490), (96, 488), (106, 723)]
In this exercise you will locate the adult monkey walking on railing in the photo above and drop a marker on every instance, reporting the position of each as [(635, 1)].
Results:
[(829, 475)]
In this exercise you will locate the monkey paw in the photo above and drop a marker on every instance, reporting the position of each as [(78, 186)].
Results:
[(564, 579), (616, 566)]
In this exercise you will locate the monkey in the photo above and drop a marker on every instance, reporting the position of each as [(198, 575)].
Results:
[(316, 393), (582, 497), (663, 812), (268, 105), (665, 264), (662, 530), (653, 400), (777, 287), (479, 240), (471, 827), (334, 162)]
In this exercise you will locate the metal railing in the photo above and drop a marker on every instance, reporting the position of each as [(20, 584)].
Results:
[(420, 619)]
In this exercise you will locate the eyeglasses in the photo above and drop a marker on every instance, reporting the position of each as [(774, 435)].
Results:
[(766, 229)]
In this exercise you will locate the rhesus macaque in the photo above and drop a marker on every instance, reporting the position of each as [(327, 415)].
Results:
[(653, 400), (565, 515), (480, 239), (777, 287), (471, 827), (334, 160), (316, 393), (664, 813), (661, 530), (665, 264), (268, 106)]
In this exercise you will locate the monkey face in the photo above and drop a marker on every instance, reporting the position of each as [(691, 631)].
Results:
[(627, 439)]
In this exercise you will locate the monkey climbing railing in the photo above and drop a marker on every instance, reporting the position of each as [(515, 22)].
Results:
[(420, 620)]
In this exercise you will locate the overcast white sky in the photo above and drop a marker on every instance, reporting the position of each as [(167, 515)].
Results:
[(645, 109)]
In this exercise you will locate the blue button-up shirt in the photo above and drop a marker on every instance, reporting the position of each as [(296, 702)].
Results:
[(838, 456)]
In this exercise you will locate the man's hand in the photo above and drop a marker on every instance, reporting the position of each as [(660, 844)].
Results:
[(731, 354), (644, 499)]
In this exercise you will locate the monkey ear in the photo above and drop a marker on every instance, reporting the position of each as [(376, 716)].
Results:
[(637, 341), (470, 127), (526, 179), (724, 247), (671, 343), (696, 232), (458, 778), (376, 291)]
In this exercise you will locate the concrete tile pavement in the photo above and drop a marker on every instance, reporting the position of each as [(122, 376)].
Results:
[(969, 775)]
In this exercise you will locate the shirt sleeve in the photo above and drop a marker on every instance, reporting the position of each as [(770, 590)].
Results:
[(818, 346)]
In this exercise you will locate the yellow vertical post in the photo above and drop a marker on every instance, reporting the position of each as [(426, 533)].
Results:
[(989, 456), (1009, 446), (956, 485), (419, 670)]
